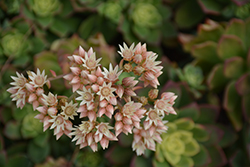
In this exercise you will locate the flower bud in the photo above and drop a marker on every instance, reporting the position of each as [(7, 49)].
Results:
[(153, 93)]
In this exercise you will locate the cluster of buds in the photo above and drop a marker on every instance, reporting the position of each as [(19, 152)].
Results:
[(105, 101)]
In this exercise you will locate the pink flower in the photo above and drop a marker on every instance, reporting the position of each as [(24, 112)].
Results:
[(127, 53), (39, 79), (20, 98), (20, 81), (60, 125), (90, 61), (84, 135), (106, 92), (86, 96), (165, 104), (69, 110), (103, 134), (112, 75), (50, 100)]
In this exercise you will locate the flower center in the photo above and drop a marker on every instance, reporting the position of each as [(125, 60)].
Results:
[(59, 120), (153, 115), (105, 91), (112, 76), (85, 127), (69, 110), (128, 111), (91, 63), (51, 100), (21, 82), (161, 104), (87, 96), (39, 80), (127, 54), (104, 129)]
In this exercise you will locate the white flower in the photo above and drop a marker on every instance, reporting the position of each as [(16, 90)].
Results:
[(127, 53), (112, 75), (90, 61), (50, 100), (86, 96), (39, 79), (69, 110), (20, 81), (106, 92)]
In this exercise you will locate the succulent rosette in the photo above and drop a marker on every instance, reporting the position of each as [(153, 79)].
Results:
[(222, 51)]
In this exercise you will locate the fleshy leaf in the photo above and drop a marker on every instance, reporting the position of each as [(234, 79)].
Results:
[(173, 159), (36, 153), (215, 135), (210, 7), (210, 31), (186, 17), (184, 123), (12, 130), (200, 133), (202, 158), (229, 136), (232, 105), (237, 27), (191, 111), (206, 51), (208, 114), (139, 161), (191, 148), (234, 67), (216, 80), (217, 155), (243, 84), (18, 160), (159, 154), (230, 46), (160, 164), (185, 162)]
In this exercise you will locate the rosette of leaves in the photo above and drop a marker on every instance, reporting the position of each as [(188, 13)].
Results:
[(147, 21), (193, 76), (180, 145), (52, 15), (222, 51), (194, 137), (11, 7)]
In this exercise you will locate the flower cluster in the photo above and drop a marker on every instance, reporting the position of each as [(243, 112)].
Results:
[(106, 102)]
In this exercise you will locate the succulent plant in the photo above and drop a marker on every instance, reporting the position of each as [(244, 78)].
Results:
[(222, 51), (194, 130)]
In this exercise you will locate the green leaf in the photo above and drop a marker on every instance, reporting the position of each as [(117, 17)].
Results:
[(211, 7), (139, 161), (42, 139), (232, 105), (125, 140), (191, 148), (206, 51), (173, 159), (202, 158), (38, 154), (210, 31), (185, 162), (217, 155), (48, 61), (230, 46), (243, 84), (45, 21), (215, 135), (18, 160), (216, 80), (247, 24), (237, 27), (160, 164), (208, 114), (186, 17), (184, 123), (19, 114), (17, 148), (200, 133), (234, 67), (191, 111), (12, 130), (229, 136)]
